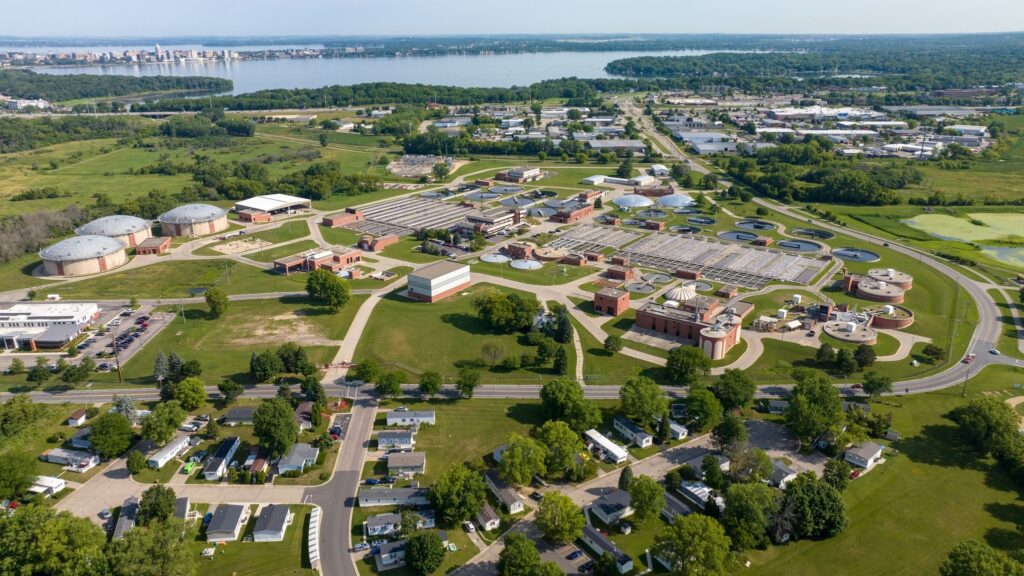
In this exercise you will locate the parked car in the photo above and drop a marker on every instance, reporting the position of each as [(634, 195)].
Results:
[(360, 547), (574, 555), (370, 482), (105, 513), (586, 567), (203, 417), (388, 480), (377, 543), (468, 526), (537, 496), (401, 409), (994, 352)]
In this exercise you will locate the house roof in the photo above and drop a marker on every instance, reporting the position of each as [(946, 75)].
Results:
[(605, 545), (391, 547), (406, 459), (388, 519), (240, 414), (273, 518), (395, 435), (865, 450), (181, 506), (126, 519), (505, 493), (613, 502), (780, 471), (225, 518), (487, 514), (438, 269), (299, 454), (77, 415)]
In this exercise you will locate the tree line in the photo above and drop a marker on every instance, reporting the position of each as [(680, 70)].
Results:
[(30, 85)]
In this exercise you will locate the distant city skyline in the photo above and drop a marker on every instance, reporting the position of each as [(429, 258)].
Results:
[(124, 18)]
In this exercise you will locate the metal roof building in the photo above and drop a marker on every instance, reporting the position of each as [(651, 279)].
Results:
[(193, 220), (131, 230), (83, 255), (632, 201)]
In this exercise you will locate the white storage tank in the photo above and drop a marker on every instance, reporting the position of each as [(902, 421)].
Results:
[(850, 327), (797, 298), (888, 309), (671, 304), (781, 314)]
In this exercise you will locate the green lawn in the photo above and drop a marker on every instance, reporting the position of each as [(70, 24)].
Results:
[(17, 273), (466, 550), (400, 331), (1008, 333), (161, 476), (406, 249), (550, 274), (271, 254), (173, 279), (908, 513), (601, 367), (224, 345), (286, 558), (35, 439), (340, 236), (289, 230)]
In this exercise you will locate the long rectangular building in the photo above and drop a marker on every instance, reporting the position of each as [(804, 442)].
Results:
[(439, 280), (44, 324)]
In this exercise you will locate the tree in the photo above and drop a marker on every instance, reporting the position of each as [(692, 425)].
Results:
[(313, 390), (505, 313), (111, 434), (38, 540), (323, 140), (424, 552), (174, 363), (328, 289), (390, 384), (125, 406), (294, 359), (430, 384), (845, 362), (563, 330), (229, 391), (40, 372), (606, 565), (625, 477), (160, 424), (17, 474), (520, 556), (217, 300), (492, 352), (748, 463), (695, 545), (612, 344), (731, 430), (212, 429), (864, 355), (625, 170), (458, 494), (274, 424), (973, 558), (989, 424), (814, 406), (191, 393), (687, 364), (933, 353), (548, 569), (711, 471), (703, 409), (876, 384), (748, 511), (161, 549), (368, 370), (647, 498), (818, 508), (561, 365), (410, 523), (734, 389), (263, 366), (135, 462), (826, 354), (642, 399), (156, 504), (17, 366), (559, 518), (837, 474), (467, 381), (562, 446), (664, 432), (522, 459), (562, 399)]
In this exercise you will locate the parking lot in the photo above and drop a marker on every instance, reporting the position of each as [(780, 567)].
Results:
[(559, 554)]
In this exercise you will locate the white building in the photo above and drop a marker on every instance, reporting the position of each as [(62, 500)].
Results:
[(272, 523), (411, 418), (264, 208), (505, 494), (659, 170), (610, 450), (864, 455), (632, 432), (46, 324), (969, 130), (47, 485), (169, 452), (436, 281), (699, 493)]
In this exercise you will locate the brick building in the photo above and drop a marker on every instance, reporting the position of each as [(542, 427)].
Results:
[(701, 320), (611, 301), (347, 218)]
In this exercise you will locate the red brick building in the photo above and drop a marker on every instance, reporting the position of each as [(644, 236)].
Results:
[(573, 213), (654, 225), (377, 243), (520, 250), (348, 217), (611, 301), (154, 246), (700, 320), (620, 273)]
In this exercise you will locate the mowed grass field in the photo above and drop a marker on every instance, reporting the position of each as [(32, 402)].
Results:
[(224, 345), (907, 514), (417, 337), (285, 558)]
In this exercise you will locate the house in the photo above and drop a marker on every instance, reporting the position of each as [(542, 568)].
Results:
[(600, 544), (777, 406), (304, 415), (299, 456), (411, 418), (369, 497), (632, 432), (217, 465), (676, 431), (403, 439), (272, 523), (182, 506), (697, 462), (391, 523), (239, 416), (781, 474), (659, 170), (390, 555), (609, 450), (699, 493), (167, 453), (488, 519), (126, 518), (674, 508), (81, 439), (407, 464), (505, 494), (864, 455), (77, 418), (47, 485), (72, 460), (225, 524), (678, 411), (613, 506)]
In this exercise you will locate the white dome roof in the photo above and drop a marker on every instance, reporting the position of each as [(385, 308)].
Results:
[(81, 248), (632, 201), (116, 225), (675, 200), (192, 213), (681, 293)]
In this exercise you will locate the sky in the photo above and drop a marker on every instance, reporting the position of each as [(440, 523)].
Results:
[(145, 18)]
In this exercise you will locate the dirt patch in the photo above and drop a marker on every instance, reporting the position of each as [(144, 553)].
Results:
[(242, 245), (1013, 402), (284, 328)]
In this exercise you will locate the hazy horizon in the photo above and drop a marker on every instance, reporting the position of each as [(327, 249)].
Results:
[(122, 19)]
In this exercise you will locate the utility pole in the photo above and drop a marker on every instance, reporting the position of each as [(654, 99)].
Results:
[(117, 360), (966, 378)]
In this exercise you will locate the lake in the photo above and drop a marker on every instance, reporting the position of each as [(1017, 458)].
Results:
[(498, 70)]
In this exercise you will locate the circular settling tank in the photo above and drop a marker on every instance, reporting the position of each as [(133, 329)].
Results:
[(516, 202), (799, 245), (495, 258), (656, 278), (813, 233), (640, 287), (687, 211), (685, 229), (855, 254), (756, 225), (737, 236), (652, 214), (526, 265), (699, 286), (504, 190), (701, 220)]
